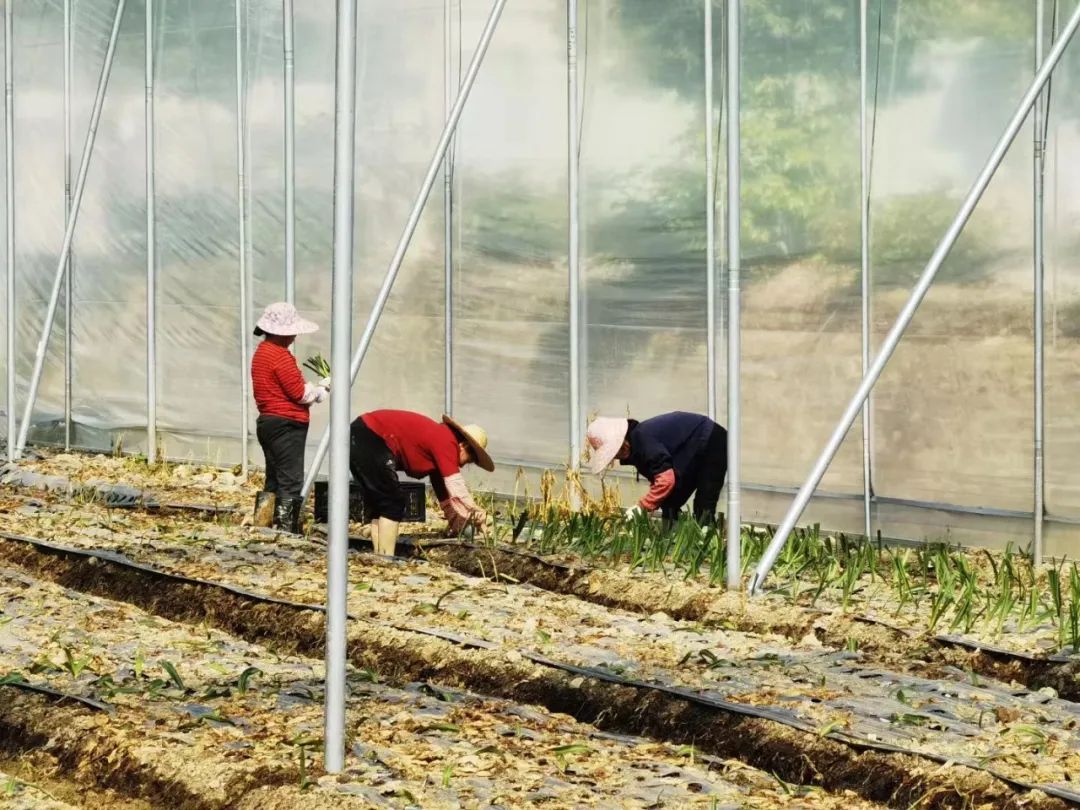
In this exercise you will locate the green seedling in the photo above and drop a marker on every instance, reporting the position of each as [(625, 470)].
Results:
[(563, 753), (245, 678), (173, 674), (73, 665), (449, 728)]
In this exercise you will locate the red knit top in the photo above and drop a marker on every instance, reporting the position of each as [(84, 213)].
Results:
[(277, 383), (421, 445)]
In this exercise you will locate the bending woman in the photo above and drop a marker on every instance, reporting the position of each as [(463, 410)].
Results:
[(386, 442), (679, 453)]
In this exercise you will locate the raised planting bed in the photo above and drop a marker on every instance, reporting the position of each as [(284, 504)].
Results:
[(198, 718), (884, 734)]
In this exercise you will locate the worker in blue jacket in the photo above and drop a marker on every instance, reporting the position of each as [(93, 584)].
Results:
[(679, 453)]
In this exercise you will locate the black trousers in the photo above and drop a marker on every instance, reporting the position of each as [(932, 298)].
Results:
[(704, 480), (375, 470), (283, 441)]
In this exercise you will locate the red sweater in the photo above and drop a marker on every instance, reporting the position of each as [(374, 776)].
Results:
[(277, 383), (421, 446)]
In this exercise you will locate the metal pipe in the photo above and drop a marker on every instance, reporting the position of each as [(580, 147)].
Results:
[(710, 219), (290, 152), (734, 369), (864, 252), (151, 246), (241, 215), (69, 282), (573, 240), (410, 225), (69, 231), (9, 215), (891, 341), (448, 218), (1038, 174), (337, 573)]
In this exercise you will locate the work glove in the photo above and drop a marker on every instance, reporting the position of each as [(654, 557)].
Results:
[(321, 394), (633, 513), (325, 383)]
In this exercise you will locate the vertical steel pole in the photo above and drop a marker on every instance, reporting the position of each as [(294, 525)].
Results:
[(241, 210), (448, 217), (1038, 173), (290, 152), (734, 370), (337, 577), (448, 222), (69, 281), (710, 219), (574, 234), (69, 230), (888, 346), (151, 246), (410, 225), (864, 252), (9, 216)]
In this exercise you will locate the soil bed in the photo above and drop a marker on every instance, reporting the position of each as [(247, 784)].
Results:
[(388, 591), (207, 737)]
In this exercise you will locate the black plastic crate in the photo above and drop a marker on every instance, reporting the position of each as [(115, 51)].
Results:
[(415, 502)]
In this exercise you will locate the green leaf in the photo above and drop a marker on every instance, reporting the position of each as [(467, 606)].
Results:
[(573, 748), (245, 677), (12, 677), (448, 727), (174, 676)]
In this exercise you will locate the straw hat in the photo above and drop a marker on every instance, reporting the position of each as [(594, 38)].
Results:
[(605, 437), (476, 437), (283, 319)]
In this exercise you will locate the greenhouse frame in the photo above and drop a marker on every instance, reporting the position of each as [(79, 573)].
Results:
[(625, 272), (793, 217)]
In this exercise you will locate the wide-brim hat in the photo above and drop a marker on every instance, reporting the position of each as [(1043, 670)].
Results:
[(283, 319), (605, 437), (476, 437)]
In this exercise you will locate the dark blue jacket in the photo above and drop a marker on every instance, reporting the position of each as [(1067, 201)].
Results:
[(671, 441)]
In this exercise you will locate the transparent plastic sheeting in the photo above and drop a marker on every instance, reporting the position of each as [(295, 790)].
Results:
[(954, 410)]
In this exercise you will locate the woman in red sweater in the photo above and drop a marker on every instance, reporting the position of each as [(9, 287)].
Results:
[(384, 442), (283, 399)]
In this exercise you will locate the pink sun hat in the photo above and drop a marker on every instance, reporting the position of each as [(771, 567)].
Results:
[(605, 436), (283, 319)]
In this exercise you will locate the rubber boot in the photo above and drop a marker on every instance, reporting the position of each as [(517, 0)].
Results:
[(265, 503), (386, 542), (375, 535), (287, 514)]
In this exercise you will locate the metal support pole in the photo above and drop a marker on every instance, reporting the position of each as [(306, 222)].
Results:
[(337, 574), (710, 220), (891, 341), (9, 215), (864, 252), (734, 370), (151, 247), (290, 152), (69, 280), (448, 217), (69, 231), (574, 233), (410, 225), (241, 215), (1039, 175)]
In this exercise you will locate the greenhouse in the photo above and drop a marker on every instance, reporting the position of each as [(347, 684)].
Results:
[(802, 265)]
